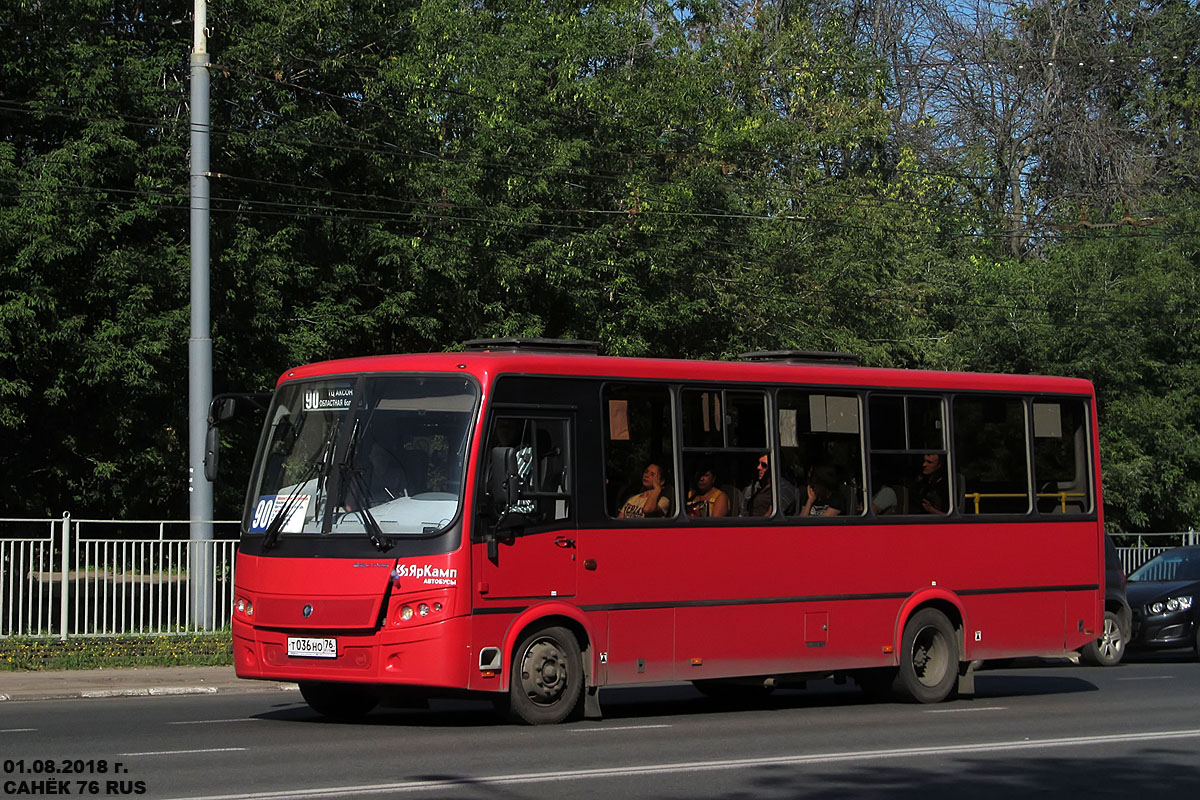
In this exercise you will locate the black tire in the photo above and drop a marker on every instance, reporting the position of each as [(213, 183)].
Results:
[(733, 690), (340, 701), (1197, 648), (546, 684), (928, 658), (1109, 649)]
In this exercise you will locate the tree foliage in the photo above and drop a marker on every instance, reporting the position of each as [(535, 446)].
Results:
[(1012, 189)]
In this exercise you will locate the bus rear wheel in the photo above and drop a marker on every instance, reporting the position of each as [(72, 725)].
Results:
[(928, 658), (546, 685), (341, 701)]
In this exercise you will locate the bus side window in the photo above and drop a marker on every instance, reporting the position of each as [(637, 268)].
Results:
[(639, 451), (724, 438), (905, 432), (543, 465), (820, 443), (991, 455), (1061, 465)]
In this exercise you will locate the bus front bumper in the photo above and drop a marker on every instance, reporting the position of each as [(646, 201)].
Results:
[(436, 654)]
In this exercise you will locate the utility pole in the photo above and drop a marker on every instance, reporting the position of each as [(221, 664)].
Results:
[(200, 505)]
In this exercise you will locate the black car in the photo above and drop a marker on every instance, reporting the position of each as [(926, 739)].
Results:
[(1164, 594), (1110, 647)]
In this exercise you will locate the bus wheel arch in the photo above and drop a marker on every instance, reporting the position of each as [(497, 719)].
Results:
[(556, 614), (942, 601), (930, 649)]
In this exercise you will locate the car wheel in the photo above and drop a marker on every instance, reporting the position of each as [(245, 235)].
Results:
[(1197, 624), (546, 684), (1108, 650), (928, 658), (341, 701)]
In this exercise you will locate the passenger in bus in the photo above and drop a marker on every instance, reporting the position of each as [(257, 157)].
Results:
[(650, 502), (931, 489), (758, 499), (825, 499), (704, 498)]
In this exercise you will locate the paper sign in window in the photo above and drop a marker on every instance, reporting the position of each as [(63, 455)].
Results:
[(788, 436), (841, 414), (833, 414), (618, 420), (1047, 420)]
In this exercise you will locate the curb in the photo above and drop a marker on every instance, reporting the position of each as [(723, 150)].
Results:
[(148, 692), (155, 691)]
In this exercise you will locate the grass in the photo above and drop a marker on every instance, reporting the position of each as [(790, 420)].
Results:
[(207, 649)]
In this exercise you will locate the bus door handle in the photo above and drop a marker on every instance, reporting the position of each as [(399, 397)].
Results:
[(563, 541)]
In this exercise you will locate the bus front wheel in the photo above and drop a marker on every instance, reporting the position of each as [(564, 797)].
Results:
[(929, 658), (546, 684), (342, 701)]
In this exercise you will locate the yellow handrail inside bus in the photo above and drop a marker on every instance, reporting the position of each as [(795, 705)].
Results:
[(1062, 496)]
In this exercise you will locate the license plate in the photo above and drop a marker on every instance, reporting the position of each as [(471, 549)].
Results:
[(303, 647)]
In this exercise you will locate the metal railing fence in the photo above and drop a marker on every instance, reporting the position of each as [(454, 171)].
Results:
[(1136, 549), (92, 577)]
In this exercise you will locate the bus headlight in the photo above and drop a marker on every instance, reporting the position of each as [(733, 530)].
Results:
[(406, 613)]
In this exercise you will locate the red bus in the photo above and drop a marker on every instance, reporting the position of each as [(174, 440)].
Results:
[(531, 521)]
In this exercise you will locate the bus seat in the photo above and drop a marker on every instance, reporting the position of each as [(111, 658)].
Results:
[(735, 498)]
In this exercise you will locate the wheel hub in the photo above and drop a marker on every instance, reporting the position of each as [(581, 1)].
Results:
[(544, 672), (930, 657)]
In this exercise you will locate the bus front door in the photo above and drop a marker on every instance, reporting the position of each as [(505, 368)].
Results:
[(533, 554), (533, 564)]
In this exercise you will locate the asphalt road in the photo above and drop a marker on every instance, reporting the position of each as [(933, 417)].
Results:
[(1044, 730)]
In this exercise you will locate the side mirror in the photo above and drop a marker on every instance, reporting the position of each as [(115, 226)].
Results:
[(212, 447), (503, 481), (223, 408)]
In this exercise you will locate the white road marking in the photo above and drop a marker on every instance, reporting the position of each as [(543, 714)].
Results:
[(1150, 678), (703, 766), (211, 721), (17, 730), (186, 752), (964, 710), (617, 728)]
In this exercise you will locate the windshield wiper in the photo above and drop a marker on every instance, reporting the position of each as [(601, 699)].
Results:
[(360, 494), (318, 469)]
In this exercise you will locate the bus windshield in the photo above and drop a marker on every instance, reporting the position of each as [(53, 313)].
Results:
[(373, 456)]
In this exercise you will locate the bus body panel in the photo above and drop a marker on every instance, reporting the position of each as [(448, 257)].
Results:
[(685, 601), (344, 600), (531, 566)]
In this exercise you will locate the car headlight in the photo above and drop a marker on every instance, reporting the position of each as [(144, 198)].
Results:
[(1180, 603)]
